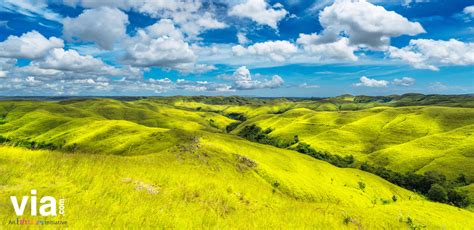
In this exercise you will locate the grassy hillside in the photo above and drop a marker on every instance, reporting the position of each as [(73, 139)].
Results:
[(402, 138), (169, 162), (217, 182)]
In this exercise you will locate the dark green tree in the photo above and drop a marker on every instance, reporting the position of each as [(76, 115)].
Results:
[(458, 198), (438, 193)]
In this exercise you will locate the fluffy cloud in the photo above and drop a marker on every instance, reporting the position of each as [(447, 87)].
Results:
[(469, 11), (428, 54), (160, 52), (60, 64), (277, 51), (31, 45), (71, 60), (367, 82), (446, 52), (415, 59), (103, 26), (159, 45), (243, 80), (404, 81), (338, 50), (163, 28), (188, 14), (365, 23), (352, 25), (260, 11), (242, 74)]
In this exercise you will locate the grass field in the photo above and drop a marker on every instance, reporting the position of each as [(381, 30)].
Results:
[(402, 138), (169, 163)]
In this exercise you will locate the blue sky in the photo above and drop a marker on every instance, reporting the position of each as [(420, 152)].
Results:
[(238, 47)]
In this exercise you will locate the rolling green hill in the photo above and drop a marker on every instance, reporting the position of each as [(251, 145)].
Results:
[(169, 162), (217, 182), (401, 138)]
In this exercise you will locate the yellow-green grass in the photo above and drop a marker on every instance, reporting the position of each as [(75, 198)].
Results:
[(141, 112), (105, 126), (154, 114), (450, 152), (405, 138), (408, 138), (248, 110), (206, 186)]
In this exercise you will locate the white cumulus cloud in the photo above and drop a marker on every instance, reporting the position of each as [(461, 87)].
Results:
[(368, 82), (337, 50), (103, 26), (365, 23), (71, 60), (243, 80), (159, 45), (429, 54), (31, 45), (190, 15), (259, 11)]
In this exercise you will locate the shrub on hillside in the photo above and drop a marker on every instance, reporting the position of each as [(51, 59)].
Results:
[(430, 178), (458, 198), (438, 193)]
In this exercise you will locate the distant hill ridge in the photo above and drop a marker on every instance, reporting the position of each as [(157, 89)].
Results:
[(465, 100)]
